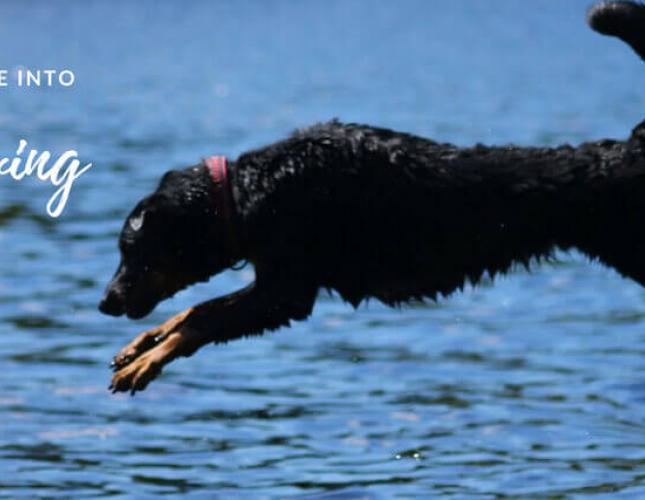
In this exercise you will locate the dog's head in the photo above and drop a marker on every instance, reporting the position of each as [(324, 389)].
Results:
[(172, 239)]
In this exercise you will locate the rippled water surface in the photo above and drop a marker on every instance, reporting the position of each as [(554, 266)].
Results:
[(532, 386)]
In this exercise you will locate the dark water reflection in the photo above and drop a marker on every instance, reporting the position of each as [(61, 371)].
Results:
[(533, 386)]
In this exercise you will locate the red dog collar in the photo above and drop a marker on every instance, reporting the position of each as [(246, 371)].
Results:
[(221, 189), (223, 199)]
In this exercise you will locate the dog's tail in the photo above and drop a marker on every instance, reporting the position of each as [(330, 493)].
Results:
[(623, 19)]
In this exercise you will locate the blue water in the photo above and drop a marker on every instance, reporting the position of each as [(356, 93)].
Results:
[(531, 386)]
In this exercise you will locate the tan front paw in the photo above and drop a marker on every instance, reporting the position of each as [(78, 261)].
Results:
[(139, 372), (146, 341)]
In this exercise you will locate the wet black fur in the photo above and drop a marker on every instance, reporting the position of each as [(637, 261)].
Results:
[(370, 212), (623, 19)]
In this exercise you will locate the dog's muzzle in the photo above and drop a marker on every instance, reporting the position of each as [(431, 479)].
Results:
[(112, 303)]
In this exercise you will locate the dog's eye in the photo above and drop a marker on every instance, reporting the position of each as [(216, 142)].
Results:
[(136, 223)]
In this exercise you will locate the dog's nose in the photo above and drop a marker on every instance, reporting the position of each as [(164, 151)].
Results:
[(112, 304)]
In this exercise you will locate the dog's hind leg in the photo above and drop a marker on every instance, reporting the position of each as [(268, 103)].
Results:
[(622, 19)]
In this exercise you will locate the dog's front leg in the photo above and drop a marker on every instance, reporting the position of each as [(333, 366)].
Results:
[(147, 340), (153, 337), (249, 311)]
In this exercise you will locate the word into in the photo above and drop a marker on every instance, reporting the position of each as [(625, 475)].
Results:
[(38, 78)]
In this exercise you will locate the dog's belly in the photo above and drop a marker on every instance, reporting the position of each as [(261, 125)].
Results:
[(404, 274)]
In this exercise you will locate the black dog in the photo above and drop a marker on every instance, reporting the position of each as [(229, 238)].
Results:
[(370, 213)]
